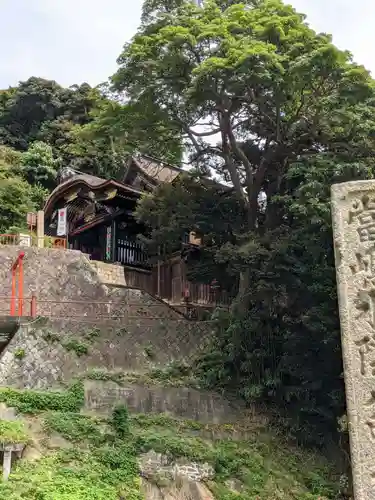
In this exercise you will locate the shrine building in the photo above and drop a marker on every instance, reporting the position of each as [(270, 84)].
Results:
[(100, 222)]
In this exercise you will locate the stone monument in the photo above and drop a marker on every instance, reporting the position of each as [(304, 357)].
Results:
[(353, 213)]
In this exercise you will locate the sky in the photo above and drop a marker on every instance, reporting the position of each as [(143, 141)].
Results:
[(75, 41)]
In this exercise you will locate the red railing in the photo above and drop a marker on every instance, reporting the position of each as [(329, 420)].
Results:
[(28, 240), (87, 311)]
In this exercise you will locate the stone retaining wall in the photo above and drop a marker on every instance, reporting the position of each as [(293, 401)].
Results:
[(189, 404), (45, 353)]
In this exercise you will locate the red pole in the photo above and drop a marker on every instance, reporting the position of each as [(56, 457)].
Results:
[(17, 262), (20, 285)]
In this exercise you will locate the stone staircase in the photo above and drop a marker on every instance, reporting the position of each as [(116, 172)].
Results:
[(8, 327), (118, 279)]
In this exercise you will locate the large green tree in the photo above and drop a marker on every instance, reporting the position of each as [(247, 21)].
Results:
[(251, 89), (269, 105)]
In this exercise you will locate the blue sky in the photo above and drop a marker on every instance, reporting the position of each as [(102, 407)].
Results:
[(72, 41)]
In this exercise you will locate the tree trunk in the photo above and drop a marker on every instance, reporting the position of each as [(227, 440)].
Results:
[(241, 303)]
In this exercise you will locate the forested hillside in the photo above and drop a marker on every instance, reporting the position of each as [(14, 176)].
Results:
[(254, 95), (44, 126)]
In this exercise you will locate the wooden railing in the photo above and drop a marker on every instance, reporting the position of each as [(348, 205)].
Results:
[(131, 253), (197, 293), (30, 240)]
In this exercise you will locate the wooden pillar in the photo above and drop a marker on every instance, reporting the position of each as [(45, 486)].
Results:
[(110, 239), (114, 241)]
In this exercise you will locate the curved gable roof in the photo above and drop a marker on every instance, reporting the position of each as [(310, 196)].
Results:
[(88, 181)]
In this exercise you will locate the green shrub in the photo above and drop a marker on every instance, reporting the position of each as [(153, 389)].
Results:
[(27, 401), (120, 421)]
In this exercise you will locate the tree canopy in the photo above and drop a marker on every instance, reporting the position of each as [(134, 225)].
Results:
[(265, 104)]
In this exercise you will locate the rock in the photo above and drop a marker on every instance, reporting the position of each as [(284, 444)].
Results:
[(57, 442), (234, 485), (31, 453), (154, 464), (181, 489), (7, 413)]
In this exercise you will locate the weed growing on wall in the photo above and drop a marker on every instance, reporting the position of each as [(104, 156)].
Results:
[(19, 353), (77, 346), (26, 401)]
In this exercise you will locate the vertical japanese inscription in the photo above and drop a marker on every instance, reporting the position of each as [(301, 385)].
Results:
[(353, 212)]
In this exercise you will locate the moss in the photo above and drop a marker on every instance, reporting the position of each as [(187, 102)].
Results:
[(13, 431), (104, 375), (121, 331), (149, 351)]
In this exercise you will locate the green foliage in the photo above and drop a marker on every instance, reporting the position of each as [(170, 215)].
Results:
[(13, 431), (293, 115), (149, 351), (72, 426), (51, 337), (27, 401), (16, 199), (104, 375), (265, 467), (92, 334), (19, 353), (38, 165), (17, 196), (120, 421), (77, 346), (269, 87), (116, 131), (103, 465), (107, 474), (198, 204)]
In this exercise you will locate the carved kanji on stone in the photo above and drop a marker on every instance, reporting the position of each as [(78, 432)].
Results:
[(366, 346), (363, 211), (353, 215)]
